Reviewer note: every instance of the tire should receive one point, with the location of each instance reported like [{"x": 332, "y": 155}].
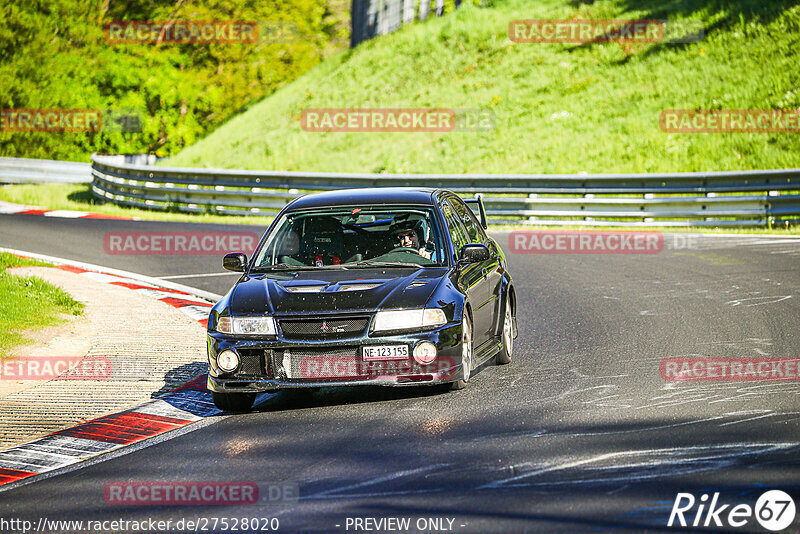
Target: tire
[
  {"x": 233, "y": 402},
  {"x": 466, "y": 353},
  {"x": 504, "y": 355}
]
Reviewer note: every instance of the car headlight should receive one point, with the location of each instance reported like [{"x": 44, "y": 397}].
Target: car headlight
[
  {"x": 246, "y": 325},
  {"x": 408, "y": 319}
]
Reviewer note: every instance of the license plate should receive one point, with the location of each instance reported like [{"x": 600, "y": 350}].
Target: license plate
[{"x": 385, "y": 352}]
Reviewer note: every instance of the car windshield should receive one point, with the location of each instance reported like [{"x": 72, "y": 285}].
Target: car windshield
[{"x": 353, "y": 237}]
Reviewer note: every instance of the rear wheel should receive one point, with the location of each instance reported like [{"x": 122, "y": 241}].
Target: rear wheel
[
  {"x": 466, "y": 353},
  {"x": 504, "y": 355},
  {"x": 233, "y": 402}
]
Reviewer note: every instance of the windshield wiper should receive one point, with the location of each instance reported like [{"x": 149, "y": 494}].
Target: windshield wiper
[
  {"x": 287, "y": 267},
  {"x": 368, "y": 263},
  {"x": 277, "y": 267}
]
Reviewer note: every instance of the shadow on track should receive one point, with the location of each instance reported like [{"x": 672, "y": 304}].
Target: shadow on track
[{"x": 295, "y": 399}]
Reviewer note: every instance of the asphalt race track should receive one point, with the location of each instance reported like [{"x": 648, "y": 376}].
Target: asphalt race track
[{"x": 578, "y": 434}]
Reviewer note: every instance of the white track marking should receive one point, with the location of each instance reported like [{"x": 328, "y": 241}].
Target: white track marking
[
  {"x": 125, "y": 274},
  {"x": 165, "y": 409},
  {"x": 380, "y": 479},
  {"x": 51, "y": 452},
  {"x": 66, "y": 214},
  {"x": 673, "y": 457},
  {"x": 10, "y": 210},
  {"x": 196, "y": 312},
  {"x": 767, "y": 300},
  {"x": 554, "y": 467},
  {"x": 156, "y": 294},
  {"x": 769, "y": 413},
  {"x": 205, "y": 275}
]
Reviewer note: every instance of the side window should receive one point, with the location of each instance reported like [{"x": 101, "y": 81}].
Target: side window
[
  {"x": 470, "y": 223},
  {"x": 457, "y": 233}
]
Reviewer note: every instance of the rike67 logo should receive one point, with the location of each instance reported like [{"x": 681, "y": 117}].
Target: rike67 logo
[{"x": 774, "y": 510}]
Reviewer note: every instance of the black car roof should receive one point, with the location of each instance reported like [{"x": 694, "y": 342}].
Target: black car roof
[{"x": 366, "y": 196}]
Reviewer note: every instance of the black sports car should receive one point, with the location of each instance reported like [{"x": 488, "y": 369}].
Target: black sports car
[{"x": 394, "y": 287}]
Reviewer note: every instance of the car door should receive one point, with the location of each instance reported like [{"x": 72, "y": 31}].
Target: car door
[
  {"x": 471, "y": 279},
  {"x": 491, "y": 269}
]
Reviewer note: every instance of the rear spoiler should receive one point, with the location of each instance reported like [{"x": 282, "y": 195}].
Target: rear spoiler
[{"x": 481, "y": 211}]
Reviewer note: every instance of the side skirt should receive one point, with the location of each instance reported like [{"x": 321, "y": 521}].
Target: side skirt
[{"x": 486, "y": 351}]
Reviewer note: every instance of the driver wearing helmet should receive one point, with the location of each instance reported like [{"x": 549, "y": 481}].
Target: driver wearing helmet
[{"x": 408, "y": 237}]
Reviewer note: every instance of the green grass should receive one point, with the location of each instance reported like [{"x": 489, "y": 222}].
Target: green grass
[
  {"x": 10, "y": 260},
  {"x": 560, "y": 108},
  {"x": 28, "y": 302},
  {"x": 79, "y": 197}
]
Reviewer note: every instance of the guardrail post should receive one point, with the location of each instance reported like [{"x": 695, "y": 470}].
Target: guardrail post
[
  {"x": 708, "y": 195},
  {"x": 394, "y": 15},
  {"x": 533, "y": 218},
  {"x": 587, "y": 195},
  {"x": 424, "y": 9},
  {"x": 408, "y": 11}
]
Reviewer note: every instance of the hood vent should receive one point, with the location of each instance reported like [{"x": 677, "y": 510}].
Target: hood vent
[
  {"x": 357, "y": 287},
  {"x": 304, "y": 289},
  {"x": 341, "y": 287}
]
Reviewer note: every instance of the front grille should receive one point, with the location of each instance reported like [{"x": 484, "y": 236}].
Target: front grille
[
  {"x": 323, "y": 329},
  {"x": 253, "y": 362},
  {"x": 321, "y": 364}
]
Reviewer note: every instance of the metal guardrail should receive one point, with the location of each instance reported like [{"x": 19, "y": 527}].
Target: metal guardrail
[
  {"x": 734, "y": 198},
  {"x": 370, "y": 18},
  {"x": 35, "y": 171}
]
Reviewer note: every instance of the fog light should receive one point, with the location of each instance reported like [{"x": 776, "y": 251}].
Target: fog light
[
  {"x": 228, "y": 361},
  {"x": 425, "y": 352}
]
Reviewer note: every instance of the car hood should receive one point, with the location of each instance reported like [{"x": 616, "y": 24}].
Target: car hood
[{"x": 336, "y": 291}]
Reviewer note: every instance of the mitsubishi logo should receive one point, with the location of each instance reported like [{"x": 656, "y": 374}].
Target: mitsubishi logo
[{"x": 332, "y": 329}]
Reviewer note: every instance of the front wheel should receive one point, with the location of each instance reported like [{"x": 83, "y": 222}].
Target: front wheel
[
  {"x": 504, "y": 355},
  {"x": 466, "y": 353},
  {"x": 233, "y": 402}
]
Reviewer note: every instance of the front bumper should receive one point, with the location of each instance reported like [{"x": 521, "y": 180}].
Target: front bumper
[{"x": 277, "y": 363}]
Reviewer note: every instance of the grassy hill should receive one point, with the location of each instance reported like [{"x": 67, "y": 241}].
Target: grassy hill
[{"x": 559, "y": 107}]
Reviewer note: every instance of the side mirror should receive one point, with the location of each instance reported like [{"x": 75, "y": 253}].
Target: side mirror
[
  {"x": 235, "y": 261},
  {"x": 474, "y": 253}
]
